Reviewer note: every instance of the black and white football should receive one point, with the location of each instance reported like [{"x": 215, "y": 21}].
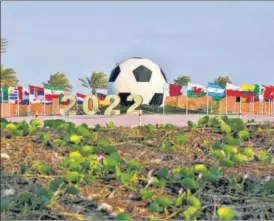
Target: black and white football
[{"x": 138, "y": 76}]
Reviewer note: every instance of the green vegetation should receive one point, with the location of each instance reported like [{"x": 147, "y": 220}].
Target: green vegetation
[{"x": 219, "y": 168}]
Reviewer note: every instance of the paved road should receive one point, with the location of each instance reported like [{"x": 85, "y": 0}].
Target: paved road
[{"x": 131, "y": 120}]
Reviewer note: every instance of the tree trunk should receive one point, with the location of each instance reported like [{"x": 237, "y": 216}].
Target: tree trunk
[{"x": 93, "y": 91}]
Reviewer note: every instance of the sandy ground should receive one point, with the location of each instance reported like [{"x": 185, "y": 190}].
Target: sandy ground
[{"x": 131, "y": 120}]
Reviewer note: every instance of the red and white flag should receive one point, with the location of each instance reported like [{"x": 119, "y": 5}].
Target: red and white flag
[
  {"x": 268, "y": 92},
  {"x": 236, "y": 91},
  {"x": 171, "y": 90}
]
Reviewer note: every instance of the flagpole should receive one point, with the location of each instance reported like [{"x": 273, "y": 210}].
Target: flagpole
[
  {"x": 2, "y": 106},
  {"x": 240, "y": 107},
  {"x": 226, "y": 104},
  {"x": 44, "y": 104},
  {"x": 207, "y": 101},
  {"x": 253, "y": 106},
  {"x": 164, "y": 100},
  {"x": 269, "y": 106},
  {"x": 18, "y": 107},
  {"x": 186, "y": 104}
]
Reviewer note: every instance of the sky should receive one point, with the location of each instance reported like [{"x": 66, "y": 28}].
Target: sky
[{"x": 203, "y": 40}]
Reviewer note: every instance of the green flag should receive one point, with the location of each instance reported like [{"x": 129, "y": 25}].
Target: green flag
[{"x": 4, "y": 95}]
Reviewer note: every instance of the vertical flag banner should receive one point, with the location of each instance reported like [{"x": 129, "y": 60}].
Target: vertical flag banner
[
  {"x": 13, "y": 95},
  {"x": 196, "y": 90},
  {"x": 36, "y": 94},
  {"x": 4, "y": 95}
]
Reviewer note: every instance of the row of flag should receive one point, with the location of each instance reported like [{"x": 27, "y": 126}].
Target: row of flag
[
  {"x": 217, "y": 92},
  {"x": 34, "y": 95}
]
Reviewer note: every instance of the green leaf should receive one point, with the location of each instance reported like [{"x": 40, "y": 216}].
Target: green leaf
[
  {"x": 145, "y": 194},
  {"x": 76, "y": 156},
  {"x": 269, "y": 185},
  {"x": 194, "y": 201},
  {"x": 72, "y": 176},
  {"x": 55, "y": 184},
  {"x": 180, "y": 139},
  {"x": 248, "y": 152},
  {"x": 163, "y": 201},
  {"x": 4, "y": 204},
  {"x": 200, "y": 168},
  {"x": 162, "y": 173},
  {"x": 189, "y": 183},
  {"x": 243, "y": 135},
  {"x": 190, "y": 213},
  {"x": 110, "y": 161},
  {"x": 87, "y": 150},
  {"x": 154, "y": 207},
  {"x": 237, "y": 158},
  {"x": 226, "y": 163},
  {"x": 75, "y": 139},
  {"x": 226, "y": 213},
  {"x": 103, "y": 143},
  {"x": 134, "y": 165},
  {"x": 25, "y": 197},
  {"x": 73, "y": 190},
  {"x": 123, "y": 216},
  {"x": 36, "y": 122},
  {"x": 210, "y": 177},
  {"x": 110, "y": 124},
  {"x": 109, "y": 149}
]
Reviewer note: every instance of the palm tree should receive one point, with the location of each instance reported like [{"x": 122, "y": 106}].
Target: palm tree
[
  {"x": 59, "y": 80},
  {"x": 95, "y": 81},
  {"x": 8, "y": 77},
  {"x": 182, "y": 80},
  {"x": 223, "y": 81},
  {"x": 4, "y": 43}
]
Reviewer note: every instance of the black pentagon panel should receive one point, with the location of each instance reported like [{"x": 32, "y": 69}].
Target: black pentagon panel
[
  {"x": 124, "y": 101},
  {"x": 142, "y": 74},
  {"x": 163, "y": 74},
  {"x": 114, "y": 74},
  {"x": 157, "y": 99}
]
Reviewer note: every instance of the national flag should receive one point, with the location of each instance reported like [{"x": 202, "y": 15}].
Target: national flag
[
  {"x": 248, "y": 89},
  {"x": 215, "y": 90},
  {"x": 195, "y": 90},
  {"x": 80, "y": 98},
  {"x": 61, "y": 95},
  {"x": 13, "y": 95},
  {"x": 101, "y": 97},
  {"x": 236, "y": 91},
  {"x": 52, "y": 92},
  {"x": 259, "y": 91},
  {"x": 171, "y": 90},
  {"x": 4, "y": 94},
  {"x": 23, "y": 95},
  {"x": 36, "y": 94},
  {"x": 269, "y": 92}
]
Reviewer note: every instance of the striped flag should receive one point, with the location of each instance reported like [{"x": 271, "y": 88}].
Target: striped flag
[
  {"x": 13, "y": 95},
  {"x": 215, "y": 90},
  {"x": 80, "y": 98}
]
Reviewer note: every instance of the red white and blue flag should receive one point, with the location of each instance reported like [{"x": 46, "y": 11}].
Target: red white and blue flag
[
  {"x": 36, "y": 94},
  {"x": 80, "y": 98}
]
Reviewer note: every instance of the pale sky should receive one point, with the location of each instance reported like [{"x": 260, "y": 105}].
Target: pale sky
[{"x": 201, "y": 39}]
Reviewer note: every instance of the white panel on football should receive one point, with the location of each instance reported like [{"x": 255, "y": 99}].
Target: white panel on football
[{"x": 127, "y": 83}]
